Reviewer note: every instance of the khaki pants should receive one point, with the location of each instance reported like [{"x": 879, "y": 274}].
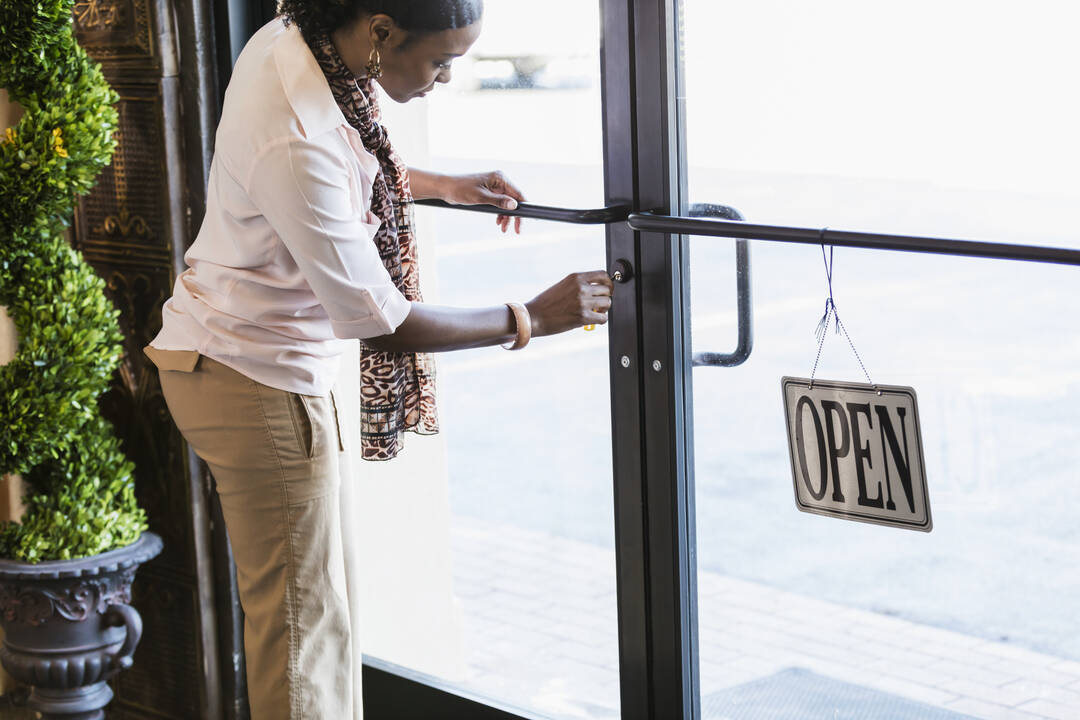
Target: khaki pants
[{"x": 274, "y": 456}]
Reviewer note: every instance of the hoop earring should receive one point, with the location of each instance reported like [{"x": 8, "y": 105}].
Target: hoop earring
[{"x": 374, "y": 64}]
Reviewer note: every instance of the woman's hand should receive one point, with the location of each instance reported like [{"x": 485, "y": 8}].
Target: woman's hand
[
  {"x": 490, "y": 188},
  {"x": 577, "y": 300}
]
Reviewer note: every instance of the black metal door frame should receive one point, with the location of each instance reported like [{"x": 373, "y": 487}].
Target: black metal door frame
[
  {"x": 651, "y": 395},
  {"x": 649, "y": 352}
]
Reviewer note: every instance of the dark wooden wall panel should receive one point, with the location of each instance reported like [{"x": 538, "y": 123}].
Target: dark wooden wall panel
[
  {"x": 164, "y": 603},
  {"x": 133, "y": 229}
]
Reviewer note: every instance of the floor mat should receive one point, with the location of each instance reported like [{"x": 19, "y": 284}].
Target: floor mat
[{"x": 798, "y": 694}]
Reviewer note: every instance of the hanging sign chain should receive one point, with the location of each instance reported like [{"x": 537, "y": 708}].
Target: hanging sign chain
[{"x": 831, "y": 313}]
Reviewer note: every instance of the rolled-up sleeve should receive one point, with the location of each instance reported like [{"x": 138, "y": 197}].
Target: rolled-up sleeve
[{"x": 307, "y": 195}]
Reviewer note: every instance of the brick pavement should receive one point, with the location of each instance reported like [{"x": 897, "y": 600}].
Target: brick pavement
[{"x": 540, "y": 628}]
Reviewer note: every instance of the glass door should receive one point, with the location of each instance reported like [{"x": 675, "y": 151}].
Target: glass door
[
  {"x": 498, "y": 581},
  {"x": 949, "y": 119},
  {"x": 488, "y": 550},
  {"x": 606, "y": 526}
]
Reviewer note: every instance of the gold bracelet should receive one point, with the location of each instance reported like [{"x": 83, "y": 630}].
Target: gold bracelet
[{"x": 524, "y": 326}]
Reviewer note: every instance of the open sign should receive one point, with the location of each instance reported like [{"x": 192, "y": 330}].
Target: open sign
[{"x": 856, "y": 452}]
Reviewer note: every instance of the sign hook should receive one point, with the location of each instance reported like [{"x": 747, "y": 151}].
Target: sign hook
[{"x": 831, "y": 313}]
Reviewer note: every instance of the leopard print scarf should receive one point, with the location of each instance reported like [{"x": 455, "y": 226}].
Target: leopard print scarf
[{"x": 397, "y": 390}]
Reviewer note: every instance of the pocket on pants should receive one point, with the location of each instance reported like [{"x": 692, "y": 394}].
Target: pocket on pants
[
  {"x": 337, "y": 422},
  {"x": 172, "y": 360},
  {"x": 302, "y": 424}
]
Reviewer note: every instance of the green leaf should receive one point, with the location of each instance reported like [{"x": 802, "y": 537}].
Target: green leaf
[{"x": 51, "y": 430}]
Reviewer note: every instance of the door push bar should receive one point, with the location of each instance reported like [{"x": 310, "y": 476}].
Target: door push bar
[
  {"x": 652, "y": 222},
  {"x": 723, "y": 221},
  {"x": 712, "y": 225},
  {"x": 598, "y": 216}
]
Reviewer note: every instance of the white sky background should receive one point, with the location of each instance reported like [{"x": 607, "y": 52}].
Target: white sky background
[
  {"x": 973, "y": 94},
  {"x": 964, "y": 93}
]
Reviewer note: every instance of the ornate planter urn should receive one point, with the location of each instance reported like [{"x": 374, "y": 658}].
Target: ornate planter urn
[{"x": 69, "y": 627}]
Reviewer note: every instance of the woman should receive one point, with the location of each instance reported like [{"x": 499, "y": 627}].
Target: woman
[{"x": 307, "y": 241}]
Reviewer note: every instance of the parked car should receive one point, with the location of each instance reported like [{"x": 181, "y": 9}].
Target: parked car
[{"x": 549, "y": 45}]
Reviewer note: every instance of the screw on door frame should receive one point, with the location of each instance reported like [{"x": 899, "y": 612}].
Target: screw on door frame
[
  {"x": 625, "y": 360},
  {"x": 657, "y": 366}
]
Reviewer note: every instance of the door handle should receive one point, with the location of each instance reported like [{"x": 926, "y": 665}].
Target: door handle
[{"x": 745, "y": 340}]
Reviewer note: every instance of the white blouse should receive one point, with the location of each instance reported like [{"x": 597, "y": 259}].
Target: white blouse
[{"x": 284, "y": 265}]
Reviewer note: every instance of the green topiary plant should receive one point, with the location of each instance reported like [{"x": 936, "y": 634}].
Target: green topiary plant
[{"x": 80, "y": 489}]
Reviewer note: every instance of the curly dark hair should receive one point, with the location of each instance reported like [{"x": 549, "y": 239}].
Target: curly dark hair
[{"x": 315, "y": 17}]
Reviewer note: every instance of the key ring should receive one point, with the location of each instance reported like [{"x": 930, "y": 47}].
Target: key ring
[{"x": 617, "y": 276}]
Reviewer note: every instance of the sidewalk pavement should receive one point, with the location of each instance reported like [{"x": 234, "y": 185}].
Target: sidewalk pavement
[{"x": 541, "y": 633}]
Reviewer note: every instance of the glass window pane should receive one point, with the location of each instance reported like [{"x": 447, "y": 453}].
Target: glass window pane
[
  {"x": 518, "y": 485},
  {"x": 951, "y": 119}
]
